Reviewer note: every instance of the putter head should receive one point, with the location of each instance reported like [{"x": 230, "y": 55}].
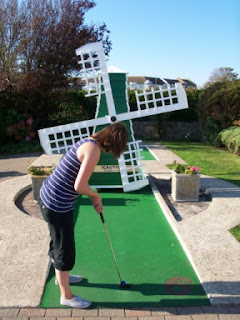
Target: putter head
[{"x": 124, "y": 285}]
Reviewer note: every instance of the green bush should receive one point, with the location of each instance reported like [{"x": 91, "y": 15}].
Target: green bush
[
  {"x": 210, "y": 132},
  {"x": 230, "y": 138},
  {"x": 71, "y": 106},
  {"x": 2, "y": 128},
  {"x": 190, "y": 114},
  {"x": 46, "y": 108},
  {"x": 132, "y": 100},
  {"x": 220, "y": 102}
]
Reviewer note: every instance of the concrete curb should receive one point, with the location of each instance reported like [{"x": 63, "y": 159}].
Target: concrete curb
[{"x": 23, "y": 251}]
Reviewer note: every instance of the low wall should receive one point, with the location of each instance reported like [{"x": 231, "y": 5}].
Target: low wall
[{"x": 173, "y": 131}]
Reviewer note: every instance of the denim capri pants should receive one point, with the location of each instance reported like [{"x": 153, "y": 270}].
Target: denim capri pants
[{"x": 62, "y": 244}]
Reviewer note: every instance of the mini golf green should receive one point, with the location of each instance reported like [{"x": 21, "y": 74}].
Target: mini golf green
[
  {"x": 147, "y": 154},
  {"x": 149, "y": 256}
]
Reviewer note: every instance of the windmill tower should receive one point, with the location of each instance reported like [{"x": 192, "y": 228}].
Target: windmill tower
[
  {"x": 108, "y": 165},
  {"x": 111, "y": 90}
]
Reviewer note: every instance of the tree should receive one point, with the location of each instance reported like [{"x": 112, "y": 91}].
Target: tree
[
  {"x": 221, "y": 75},
  {"x": 38, "y": 40},
  {"x": 10, "y": 37},
  {"x": 220, "y": 104}
]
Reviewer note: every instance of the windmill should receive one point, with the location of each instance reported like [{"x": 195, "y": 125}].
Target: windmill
[{"x": 112, "y": 106}]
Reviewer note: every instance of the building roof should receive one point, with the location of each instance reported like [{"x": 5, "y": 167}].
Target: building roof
[
  {"x": 142, "y": 80},
  {"x": 171, "y": 81},
  {"x": 187, "y": 82},
  {"x": 156, "y": 80},
  {"x": 137, "y": 79}
]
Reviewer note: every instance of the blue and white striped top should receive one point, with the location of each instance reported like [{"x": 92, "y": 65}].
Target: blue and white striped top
[{"x": 57, "y": 192}]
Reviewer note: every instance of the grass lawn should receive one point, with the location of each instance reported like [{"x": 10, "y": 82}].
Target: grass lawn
[
  {"x": 236, "y": 232},
  {"x": 212, "y": 161}
]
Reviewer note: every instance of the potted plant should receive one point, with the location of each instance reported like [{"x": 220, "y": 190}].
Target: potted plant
[
  {"x": 38, "y": 175},
  {"x": 185, "y": 182}
]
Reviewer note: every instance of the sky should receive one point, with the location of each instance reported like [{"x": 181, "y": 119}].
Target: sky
[{"x": 171, "y": 38}]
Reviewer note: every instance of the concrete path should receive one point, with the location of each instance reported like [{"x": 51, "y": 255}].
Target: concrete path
[
  {"x": 16, "y": 165},
  {"x": 213, "y": 251}
]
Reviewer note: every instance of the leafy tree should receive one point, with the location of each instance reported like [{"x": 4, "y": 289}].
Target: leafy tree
[
  {"x": 38, "y": 40},
  {"x": 10, "y": 37},
  {"x": 221, "y": 103},
  {"x": 221, "y": 75}
]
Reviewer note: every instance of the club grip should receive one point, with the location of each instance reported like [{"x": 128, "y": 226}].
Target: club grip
[{"x": 101, "y": 216}]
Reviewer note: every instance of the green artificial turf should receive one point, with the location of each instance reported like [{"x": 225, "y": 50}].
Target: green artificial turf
[
  {"x": 146, "y": 154},
  {"x": 149, "y": 256}
]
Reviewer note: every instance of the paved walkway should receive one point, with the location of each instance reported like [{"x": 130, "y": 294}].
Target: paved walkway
[
  {"x": 16, "y": 165},
  {"x": 214, "y": 253}
]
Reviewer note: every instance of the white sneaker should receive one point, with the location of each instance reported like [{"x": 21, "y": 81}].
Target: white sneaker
[
  {"x": 75, "y": 302},
  {"x": 72, "y": 279}
]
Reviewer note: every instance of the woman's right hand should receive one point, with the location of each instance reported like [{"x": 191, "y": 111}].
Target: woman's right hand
[{"x": 97, "y": 202}]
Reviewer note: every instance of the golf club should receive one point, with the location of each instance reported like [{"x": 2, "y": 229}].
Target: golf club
[{"x": 123, "y": 283}]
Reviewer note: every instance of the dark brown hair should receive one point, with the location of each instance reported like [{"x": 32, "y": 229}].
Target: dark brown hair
[{"x": 112, "y": 139}]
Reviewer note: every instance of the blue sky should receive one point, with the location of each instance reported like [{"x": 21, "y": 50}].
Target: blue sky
[{"x": 171, "y": 38}]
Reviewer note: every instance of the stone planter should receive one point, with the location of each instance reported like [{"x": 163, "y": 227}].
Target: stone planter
[
  {"x": 185, "y": 187},
  {"x": 37, "y": 182}
]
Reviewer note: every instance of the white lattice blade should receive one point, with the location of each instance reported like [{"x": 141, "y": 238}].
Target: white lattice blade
[
  {"x": 137, "y": 185},
  {"x": 145, "y": 113},
  {"x": 59, "y": 139},
  {"x": 92, "y": 62},
  {"x": 130, "y": 166},
  {"x": 89, "y": 47},
  {"x": 95, "y": 71},
  {"x": 164, "y": 99}
]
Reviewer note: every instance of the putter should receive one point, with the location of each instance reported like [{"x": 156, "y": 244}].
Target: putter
[{"x": 123, "y": 283}]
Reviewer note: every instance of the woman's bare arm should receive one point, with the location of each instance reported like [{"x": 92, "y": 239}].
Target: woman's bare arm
[{"x": 88, "y": 154}]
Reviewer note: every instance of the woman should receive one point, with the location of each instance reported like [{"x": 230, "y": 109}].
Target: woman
[{"x": 58, "y": 194}]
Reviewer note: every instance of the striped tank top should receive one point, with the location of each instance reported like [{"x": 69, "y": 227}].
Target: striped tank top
[{"x": 57, "y": 192}]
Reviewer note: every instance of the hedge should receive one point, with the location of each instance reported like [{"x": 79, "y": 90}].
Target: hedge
[
  {"x": 221, "y": 103},
  {"x": 230, "y": 138}
]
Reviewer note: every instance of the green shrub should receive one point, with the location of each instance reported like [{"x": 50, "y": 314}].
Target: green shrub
[
  {"x": 190, "y": 114},
  {"x": 46, "y": 108},
  {"x": 220, "y": 102},
  {"x": 230, "y": 138},
  {"x": 71, "y": 106},
  {"x": 132, "y": 100},
  {"x": 210, "y": 132},
  {"x": 21, "y": 147},
  {"x": 2, "y": 128}
]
